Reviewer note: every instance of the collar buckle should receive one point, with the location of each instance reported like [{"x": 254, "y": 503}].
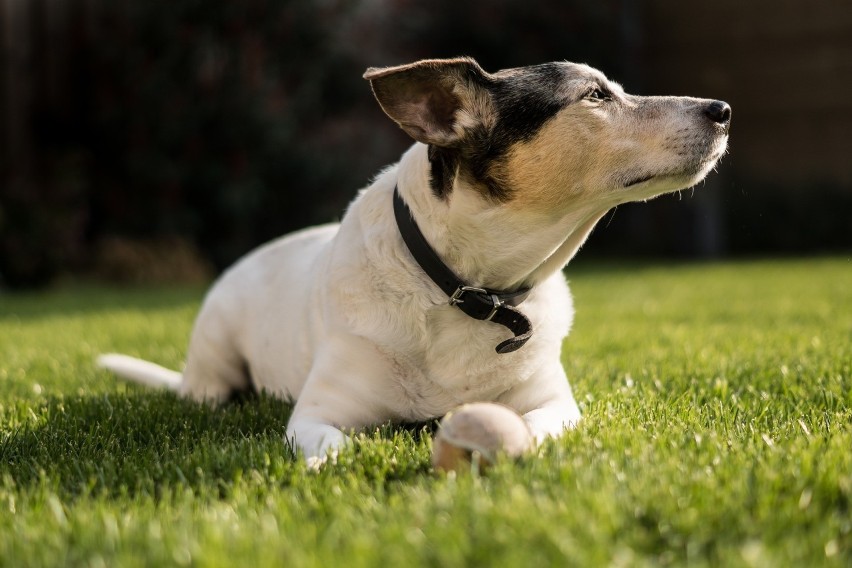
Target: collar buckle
[
  {"x": 498, "y": 303},
  {"x": 483, "y": 296},
  {"x": 456, "y": 297}
]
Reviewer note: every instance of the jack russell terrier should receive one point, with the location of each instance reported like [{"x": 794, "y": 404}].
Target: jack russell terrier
[{"x": 442, "y": 285}]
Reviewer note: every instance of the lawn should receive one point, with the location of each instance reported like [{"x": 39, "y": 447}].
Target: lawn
[{"x": 717, "y": 432}]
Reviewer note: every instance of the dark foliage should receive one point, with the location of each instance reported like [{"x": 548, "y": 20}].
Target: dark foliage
[
  {"x": 224, "y": 124},
  {"x": 229, "y": 123}
]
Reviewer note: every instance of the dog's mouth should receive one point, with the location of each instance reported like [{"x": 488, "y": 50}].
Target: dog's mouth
[
  {"x": 637, "y": 180},
  {"x": 702, "y": 157},
  {"x": 699, "y": 168},
  {"x": 688, "y": 175}
]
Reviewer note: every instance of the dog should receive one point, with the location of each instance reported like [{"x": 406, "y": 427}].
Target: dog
[{"x": 442, "y": 284}]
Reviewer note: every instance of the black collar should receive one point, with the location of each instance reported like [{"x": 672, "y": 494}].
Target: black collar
[{"x": 478, "y": 303}]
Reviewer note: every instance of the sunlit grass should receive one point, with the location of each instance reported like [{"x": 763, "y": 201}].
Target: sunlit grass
[{"x": 717, "y": 431}]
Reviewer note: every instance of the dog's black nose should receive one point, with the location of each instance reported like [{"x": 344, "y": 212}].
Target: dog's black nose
[{"x": 719, "y": 112}]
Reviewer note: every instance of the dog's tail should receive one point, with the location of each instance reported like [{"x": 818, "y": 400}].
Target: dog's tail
[{"x": 139, "y": 371}]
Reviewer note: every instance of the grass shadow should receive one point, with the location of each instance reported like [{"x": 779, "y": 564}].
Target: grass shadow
[
  {"x": 140, "y": 443},
  {"x": 150, "y": 443}
]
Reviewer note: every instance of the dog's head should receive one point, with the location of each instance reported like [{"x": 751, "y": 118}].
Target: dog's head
[{"x": 550, "y": 137}]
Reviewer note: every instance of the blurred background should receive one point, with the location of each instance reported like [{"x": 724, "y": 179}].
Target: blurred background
[{"x": 156, "y": 140}]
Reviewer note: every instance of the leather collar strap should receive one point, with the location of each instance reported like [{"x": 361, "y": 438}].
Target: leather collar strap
[{"x": 478, "y": 303}]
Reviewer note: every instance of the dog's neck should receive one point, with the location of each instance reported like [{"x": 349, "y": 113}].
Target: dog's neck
[{"x": 491, "y": 245}]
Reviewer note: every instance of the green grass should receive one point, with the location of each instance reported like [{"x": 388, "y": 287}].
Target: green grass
[{"x": 717, "y": 431}]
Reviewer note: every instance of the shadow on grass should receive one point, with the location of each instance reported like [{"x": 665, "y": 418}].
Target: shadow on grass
[
  {"x": 148, "y": 443},
  {"x": 117, "y": 444}
]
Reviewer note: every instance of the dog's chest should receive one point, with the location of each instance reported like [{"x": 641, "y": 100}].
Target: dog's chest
[
  {"x": 439, "y": 357},
  {"x": 455, "y": 363},
  {"x": 425, "y": 394}
]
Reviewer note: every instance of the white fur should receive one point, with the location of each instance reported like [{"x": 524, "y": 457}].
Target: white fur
[
  {"x": 341, "y": 319},
  {"x": 142, "y": 372}
]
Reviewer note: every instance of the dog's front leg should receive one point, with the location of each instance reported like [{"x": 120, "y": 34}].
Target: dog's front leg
[
  {"x": 347, "y": 389},
  {"x": 546, "y": 402}
]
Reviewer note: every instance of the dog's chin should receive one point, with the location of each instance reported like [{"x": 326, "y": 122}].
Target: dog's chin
[
  {"x": 646, "y": 185},
  {"x": 656, "y": 185}
]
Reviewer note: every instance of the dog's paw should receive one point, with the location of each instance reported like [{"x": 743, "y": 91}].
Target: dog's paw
[{"x": 315, "y": 463}]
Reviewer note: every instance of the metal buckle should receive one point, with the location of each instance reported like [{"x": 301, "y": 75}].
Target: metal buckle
[
  {"x": 496, "y": 302},
  {"x": 456, "y": 297}
]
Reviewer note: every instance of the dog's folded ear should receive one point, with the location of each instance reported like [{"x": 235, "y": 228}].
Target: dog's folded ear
[{"x": 436, "y": 101}]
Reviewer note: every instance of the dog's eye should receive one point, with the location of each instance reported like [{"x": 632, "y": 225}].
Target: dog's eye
[{"x": 598, "y": 94}]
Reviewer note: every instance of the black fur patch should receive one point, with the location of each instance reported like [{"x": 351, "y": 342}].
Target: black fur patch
[
  {"x": 524, "y": 99},
  {"x": 444, "y": 164}
]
